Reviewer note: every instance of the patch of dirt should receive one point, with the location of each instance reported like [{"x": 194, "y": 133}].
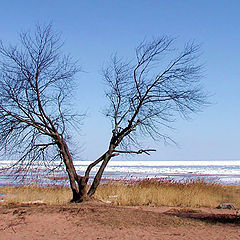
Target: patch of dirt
[{"x": 96, "y": 220}]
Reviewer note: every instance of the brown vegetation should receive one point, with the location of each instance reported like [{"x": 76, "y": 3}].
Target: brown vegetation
[{"x": 151, "y": 192}]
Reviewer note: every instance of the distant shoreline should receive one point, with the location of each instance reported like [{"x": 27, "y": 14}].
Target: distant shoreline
[{"x": 224, "y": 172}]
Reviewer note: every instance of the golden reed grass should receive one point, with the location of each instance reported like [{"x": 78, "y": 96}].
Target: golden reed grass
[
  {"x": 190, "y": 193},
  {"x": 153, "y": 192},
  {"x": 31, "y": 193}
]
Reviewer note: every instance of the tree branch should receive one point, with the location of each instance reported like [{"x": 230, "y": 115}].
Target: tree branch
[
  {"x": 93, "y": 165},
  {"x": 146, "y": 151}
]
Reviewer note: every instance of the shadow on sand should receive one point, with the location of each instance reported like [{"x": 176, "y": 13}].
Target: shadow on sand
[{"x": 206, "y": 217}]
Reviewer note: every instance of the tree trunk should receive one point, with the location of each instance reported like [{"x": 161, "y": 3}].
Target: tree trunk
[
  {"x": 98, "y": 176},
  {"x": 78, "y": 184},
  {"x": 82, "y": 190}
]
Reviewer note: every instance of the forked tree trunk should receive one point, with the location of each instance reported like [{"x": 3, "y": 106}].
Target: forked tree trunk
[{"x": 78, "y": 183}]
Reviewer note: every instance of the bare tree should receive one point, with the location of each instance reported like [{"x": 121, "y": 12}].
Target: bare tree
[
  {"x": 146, "y": 96},
  {"x": 36, "y": 82}
]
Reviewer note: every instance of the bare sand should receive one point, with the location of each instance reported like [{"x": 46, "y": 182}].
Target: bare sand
[{"x": 96, "y": 220}]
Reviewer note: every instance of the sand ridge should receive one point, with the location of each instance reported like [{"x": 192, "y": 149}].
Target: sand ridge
[{"x": 97, "y": 220}]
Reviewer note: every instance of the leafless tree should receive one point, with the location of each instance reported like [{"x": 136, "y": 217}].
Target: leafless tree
[
  {"x": 36, "y": 82},
  {"x": 147, "y": 94}
]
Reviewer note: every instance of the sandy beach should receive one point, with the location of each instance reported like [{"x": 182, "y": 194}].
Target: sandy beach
[{"x": 97, "y": 220}]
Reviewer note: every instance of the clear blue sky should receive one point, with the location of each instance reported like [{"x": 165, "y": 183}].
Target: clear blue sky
[{"x": 92, "y": 30}]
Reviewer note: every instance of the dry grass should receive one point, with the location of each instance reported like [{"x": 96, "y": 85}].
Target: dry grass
[
  {"x": 31, "y": 193},
  {"x": 192, "y": 193}
]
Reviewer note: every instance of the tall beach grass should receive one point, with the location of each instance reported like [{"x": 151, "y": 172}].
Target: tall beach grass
[
  {"x": 153, "y": 192},
  {"x": 188, "y": 193},
  {"x": 32, "y": 193}
]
